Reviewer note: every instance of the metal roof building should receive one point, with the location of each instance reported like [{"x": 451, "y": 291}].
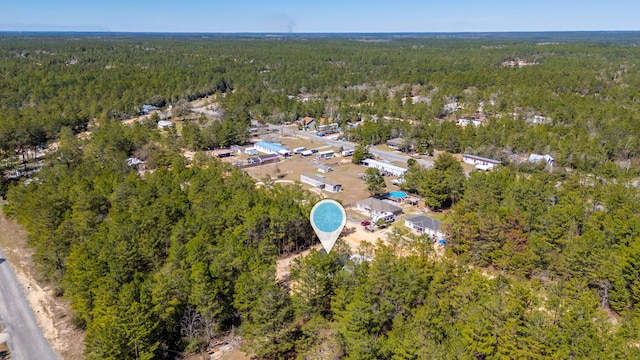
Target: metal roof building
[
  {"x": 385, "y": 167},
  {"x": 320, "y": 183},
  {"x": 272, "y": 148}
]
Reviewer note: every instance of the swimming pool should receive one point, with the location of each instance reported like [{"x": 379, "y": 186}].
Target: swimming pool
[{"x": 397, "y": 195}]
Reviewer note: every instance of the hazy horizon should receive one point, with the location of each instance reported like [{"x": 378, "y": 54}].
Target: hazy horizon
[{"x": 331, "y": 16}]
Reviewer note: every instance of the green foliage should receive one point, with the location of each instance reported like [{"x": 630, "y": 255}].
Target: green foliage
[
  {"x": 375, "y": 182},
  {"x": 441, "y": 186},
  {"x": 164, "y": 261},
  {"x": 360, "y": 153}
]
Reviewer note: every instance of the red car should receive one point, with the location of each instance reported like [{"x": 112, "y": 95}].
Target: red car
[{"x": 365, "y": 223}]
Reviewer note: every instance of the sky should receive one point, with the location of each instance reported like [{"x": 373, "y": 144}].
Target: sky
[{"x": 319, "y": 16}]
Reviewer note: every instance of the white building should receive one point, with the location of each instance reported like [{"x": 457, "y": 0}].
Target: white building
[
  {"x": 421, "y": 224},
  {"x": 325, "y": 154},
  {"x": 324, "y": 168},
  {"x": 385, "y": 167},
  {"x": 251, "y": 151},
  {"x": 375, "y": 207},
  {"x": 535, "y": 158},
  {"x": 272, "y": 148},
  {"x": 467, "y": 121},
  {"x": 348, "y": 152},
  {"x": 480, "y": 163},
  {"x": 164, "y": 124},
  {"x": 320, "y": 183}
]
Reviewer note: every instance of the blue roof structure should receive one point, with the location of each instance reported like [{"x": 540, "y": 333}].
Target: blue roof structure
[{"x": 270, "y": 146}]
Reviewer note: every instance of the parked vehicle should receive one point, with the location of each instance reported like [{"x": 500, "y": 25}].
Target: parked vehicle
[{"x": 365, "y": 223}]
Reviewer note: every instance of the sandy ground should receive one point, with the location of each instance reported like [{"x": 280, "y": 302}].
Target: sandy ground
[
  {"x": 53, "y": 314},
  {"x": 357, "y": 235}
]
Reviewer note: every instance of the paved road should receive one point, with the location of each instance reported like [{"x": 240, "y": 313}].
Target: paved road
[
  {"x": 389, "y": 155},
  {"x": 26, "y": 341}
]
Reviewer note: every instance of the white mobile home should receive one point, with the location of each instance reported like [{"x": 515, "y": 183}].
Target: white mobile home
[
  {"x": 348, "y": 152},
  {"x": 385, "y": 168},
  {"x": 272, "y": 148},
  {"x": 299, "y": 150},
  {"x": 480, "y": 162},
  {"x": 320, "y": 183},
  {"x": 325, "y": 154}
]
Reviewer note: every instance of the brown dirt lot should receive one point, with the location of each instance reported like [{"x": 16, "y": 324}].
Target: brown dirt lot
[
  {"x": 344, "y": 172},
  {"x": 52, "y": 313}
]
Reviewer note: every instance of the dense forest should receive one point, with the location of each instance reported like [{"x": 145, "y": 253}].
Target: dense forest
[{"x": 540, "y": 262}]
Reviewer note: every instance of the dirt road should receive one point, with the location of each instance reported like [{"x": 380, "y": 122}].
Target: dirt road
[{"x": 25, "y": 338}]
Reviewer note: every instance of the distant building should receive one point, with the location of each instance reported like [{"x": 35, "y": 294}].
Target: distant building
[
  {"x": 331, "y": 128},
  {"x": 146, "y": 109},
  {"x": 325, "y": 154},
  {"x": 538, "y": 119},
  {"x": 269, "y": 158},
  {"x": 272, "y": 148},
  {"x": 347, "y": 152},
  {"x": 320, "y": 183},
  {"x": 251, "y": 151},
  {"x": 466, "y": 121},
  {"x": 324, "y": 169},
  {"x": 421, "y": 224},
  {"x": 518, "y": 63},
  {"x": 396, "y": 143},
  {"x": 452, "y": 107},
  {"x": 221, "y": 153},
  {"x": 480, "y": 163},
  {"x": 385, "y": 168},
  {"x": 308, "y": 123},
  {"x": 134, "y": 161},
  {"x": 535, "y": 158},
  {"x": 164, "y": 124}
]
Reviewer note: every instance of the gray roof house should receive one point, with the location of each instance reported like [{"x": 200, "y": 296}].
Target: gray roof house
[
  {"x": 374, "y": 207},
  {"x": 421, "y": 224}
]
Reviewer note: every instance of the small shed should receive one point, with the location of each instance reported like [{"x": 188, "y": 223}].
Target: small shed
[
  {"x": 222, "y": 153},
  {"x": 251, "y": 151},
  {"x": 324, "y": 169}
]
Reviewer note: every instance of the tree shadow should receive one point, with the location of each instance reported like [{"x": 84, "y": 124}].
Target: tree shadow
[{"x": 347, "y": 230}]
